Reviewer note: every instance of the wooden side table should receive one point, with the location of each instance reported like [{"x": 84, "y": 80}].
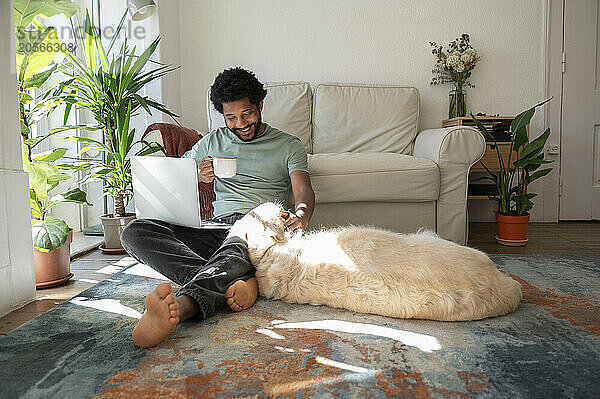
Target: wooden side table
[{"x": 490, "y": 158}]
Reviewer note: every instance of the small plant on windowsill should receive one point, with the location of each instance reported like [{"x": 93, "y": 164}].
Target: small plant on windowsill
[{"x": 514, "y": 176}]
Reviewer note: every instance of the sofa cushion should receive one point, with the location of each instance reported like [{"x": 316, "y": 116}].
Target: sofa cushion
[
  {"x": 364, "y": 118},
  {"x": 287, "y": 107},
  {"x": 352, "y": 177}
]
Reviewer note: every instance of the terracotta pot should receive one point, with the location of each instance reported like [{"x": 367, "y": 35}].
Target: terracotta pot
[
  {"x": 53, "y": 268},
  {"x": 512, "y": 228},
  {"x": 113, "y": 227}
]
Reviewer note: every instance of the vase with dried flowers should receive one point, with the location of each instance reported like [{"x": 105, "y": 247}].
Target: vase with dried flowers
[{"x": 455, "y": 66}]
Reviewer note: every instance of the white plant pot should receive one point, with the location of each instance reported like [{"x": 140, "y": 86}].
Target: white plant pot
[{"x": 113, "y": 227}]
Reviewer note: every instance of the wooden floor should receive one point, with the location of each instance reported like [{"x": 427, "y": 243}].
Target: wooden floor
[
  {"x": 582, "y": 238},
  {"x": 88, "y": 270}
]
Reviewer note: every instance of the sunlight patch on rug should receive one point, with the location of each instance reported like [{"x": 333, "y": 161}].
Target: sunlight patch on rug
[
  {"x": 425, "y": 343},
  {"x": 107, "y": 305},
  {"x": 270, "y": 333},
  {"x": 328, "y": 362}
]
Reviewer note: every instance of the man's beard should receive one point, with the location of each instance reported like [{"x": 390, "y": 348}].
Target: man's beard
[{"x": 254, "y": 129}]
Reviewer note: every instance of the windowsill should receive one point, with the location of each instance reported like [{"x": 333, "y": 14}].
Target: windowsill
[{"x": 82, "y": 244}]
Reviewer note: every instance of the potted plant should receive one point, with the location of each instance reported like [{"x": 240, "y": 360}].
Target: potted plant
[
  {"x": 109, "y": 90},
  {"x": 36, "y": 49},
  {"x": 114, "y": 170},
  {"x": 51, "y": 236},
  {"x": 455, "y": 66},
  {"x": 514, "y": 177}
]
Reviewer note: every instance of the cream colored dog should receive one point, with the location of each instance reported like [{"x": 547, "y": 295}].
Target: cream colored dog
[{"x": 374, "y": 271}]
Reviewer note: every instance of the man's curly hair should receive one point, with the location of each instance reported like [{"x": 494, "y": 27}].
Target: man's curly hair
[{"x": 235, "y": 84}]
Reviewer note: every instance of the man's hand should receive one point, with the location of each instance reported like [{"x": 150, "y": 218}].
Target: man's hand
[
  {"x": 304, "y": 198},
  {"x": 206, "y": 173},
  {"x": 294, "y": 221}
]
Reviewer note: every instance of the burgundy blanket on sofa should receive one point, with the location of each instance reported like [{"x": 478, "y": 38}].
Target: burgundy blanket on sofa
[{"x": 177, "y": 140}]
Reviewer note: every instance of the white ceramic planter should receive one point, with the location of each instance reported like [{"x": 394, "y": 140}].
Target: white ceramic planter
[{"x": 113, "y": 227}]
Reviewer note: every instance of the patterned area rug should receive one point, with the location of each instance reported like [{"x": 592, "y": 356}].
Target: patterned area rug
[{"x": 548, "y": 348}]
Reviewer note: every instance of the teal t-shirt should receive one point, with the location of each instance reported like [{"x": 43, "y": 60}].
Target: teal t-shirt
[{"x": 263, "y": 167}]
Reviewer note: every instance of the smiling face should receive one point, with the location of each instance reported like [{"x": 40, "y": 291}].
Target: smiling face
[{"x": 244, "y": 119}]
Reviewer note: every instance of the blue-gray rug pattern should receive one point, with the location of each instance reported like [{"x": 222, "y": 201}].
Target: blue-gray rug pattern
[{"x": 548, "y": 348}]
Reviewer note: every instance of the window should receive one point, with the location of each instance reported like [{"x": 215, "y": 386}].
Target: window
[{"x": 106, "y": 16}]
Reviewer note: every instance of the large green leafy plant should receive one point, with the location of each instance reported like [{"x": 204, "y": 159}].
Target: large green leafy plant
[
  {"x": 49, "y": 233},
  {"x": 520, "y": 168},
  {"x": 109, "y": 89},
  {"x": 36, "y": 48}
]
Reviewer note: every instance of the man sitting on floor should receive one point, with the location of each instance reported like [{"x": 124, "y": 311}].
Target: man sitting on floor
[{"x": 212, "y": 269}]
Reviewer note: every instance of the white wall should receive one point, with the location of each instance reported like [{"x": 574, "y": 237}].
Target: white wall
[
  {"x": 380, "y": 41},
  {"x": 17, "y": 278}
]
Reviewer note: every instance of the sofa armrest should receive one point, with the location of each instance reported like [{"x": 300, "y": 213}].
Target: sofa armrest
[{"x": 454, "y": 150}]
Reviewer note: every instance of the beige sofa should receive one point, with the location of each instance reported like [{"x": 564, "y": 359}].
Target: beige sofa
[{"x": 369, "y": 164}]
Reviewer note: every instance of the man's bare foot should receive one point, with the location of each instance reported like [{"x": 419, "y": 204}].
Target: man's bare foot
[
  {"x": 242, "y": 294},
  {"x": 159, "y": 319}
]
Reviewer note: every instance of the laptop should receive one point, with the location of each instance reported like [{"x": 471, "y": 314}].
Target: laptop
[{"x": 167, "y": 189}]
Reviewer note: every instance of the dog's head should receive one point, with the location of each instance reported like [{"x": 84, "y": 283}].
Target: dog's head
[{"x": 262, "y": 228}]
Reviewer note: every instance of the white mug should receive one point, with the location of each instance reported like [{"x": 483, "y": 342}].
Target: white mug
[{"x": 224, "y": 166}]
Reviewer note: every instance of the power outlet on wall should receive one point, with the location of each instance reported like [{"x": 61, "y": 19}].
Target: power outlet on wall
[{"x": 553, "y": 150}]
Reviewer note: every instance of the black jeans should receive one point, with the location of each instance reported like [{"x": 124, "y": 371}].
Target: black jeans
[{"x": 202, "y": 261}]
